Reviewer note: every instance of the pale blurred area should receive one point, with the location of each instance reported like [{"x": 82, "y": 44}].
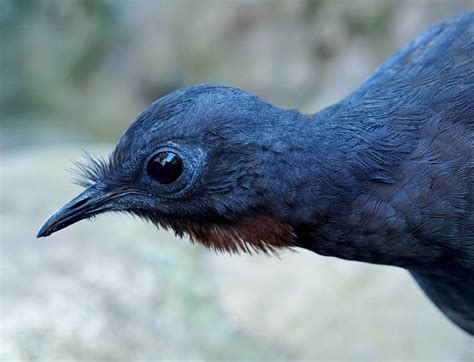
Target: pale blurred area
[{"x": 74, "y": 74}]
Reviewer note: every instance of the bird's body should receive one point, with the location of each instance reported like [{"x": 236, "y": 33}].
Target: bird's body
[{"x": 384, "y": 176}]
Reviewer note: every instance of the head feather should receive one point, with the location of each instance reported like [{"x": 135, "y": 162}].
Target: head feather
[{"x": 90, "y": 170}]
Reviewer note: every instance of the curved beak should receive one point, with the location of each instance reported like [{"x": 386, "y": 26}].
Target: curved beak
[{"x": 91, "y": 202}]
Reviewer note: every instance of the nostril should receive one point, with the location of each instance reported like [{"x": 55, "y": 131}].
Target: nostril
[{"x": 80, "y": 203}]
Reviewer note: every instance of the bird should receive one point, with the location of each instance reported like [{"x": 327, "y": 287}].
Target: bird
[{"x": 384, "y": 176}]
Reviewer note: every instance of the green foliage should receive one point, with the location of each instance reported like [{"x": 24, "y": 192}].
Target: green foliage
[
  {"x": 50, "y": 50},
  {"x": 85, "y": 68}
]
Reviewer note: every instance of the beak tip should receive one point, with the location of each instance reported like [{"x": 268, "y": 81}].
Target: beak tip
[
  {"x": 43, "y": 232},
  {"x": 81, "y": 207}
]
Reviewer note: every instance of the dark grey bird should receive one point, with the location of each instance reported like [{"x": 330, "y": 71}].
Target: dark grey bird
[{"x": 385, "y": 176}]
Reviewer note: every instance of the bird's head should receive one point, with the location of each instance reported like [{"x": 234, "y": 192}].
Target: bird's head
[{"x": 199, "y": 161}]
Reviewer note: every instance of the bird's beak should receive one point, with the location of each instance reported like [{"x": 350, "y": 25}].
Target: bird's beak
[{"x": 89, "y": 203}]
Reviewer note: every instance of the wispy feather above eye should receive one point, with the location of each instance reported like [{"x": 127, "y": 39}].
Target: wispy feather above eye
[{"x": 90, "y": 169}]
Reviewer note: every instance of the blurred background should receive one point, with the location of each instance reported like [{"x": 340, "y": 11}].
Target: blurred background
[{"x": 74, "y": 74}]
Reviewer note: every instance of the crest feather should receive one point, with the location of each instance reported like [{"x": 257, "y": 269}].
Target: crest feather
[{"x": 90, "y": 170}]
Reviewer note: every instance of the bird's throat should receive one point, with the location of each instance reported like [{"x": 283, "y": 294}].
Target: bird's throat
[{"x": 256, "y": 234}]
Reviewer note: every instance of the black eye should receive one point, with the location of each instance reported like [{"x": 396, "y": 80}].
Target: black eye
[{"x": 165, "y": 167}]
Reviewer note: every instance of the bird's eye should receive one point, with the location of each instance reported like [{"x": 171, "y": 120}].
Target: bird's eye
[{"x": 165, "y": 167}]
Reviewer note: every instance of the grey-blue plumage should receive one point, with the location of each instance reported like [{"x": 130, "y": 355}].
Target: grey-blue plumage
[{"x": 384, "y": 176}]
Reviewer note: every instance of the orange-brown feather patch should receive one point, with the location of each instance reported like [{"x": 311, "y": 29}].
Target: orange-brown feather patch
[{"x": 260, "y": 234}]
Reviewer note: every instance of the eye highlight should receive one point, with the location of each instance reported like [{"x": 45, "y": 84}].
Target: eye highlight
[{"x": 165, "y": 167}]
